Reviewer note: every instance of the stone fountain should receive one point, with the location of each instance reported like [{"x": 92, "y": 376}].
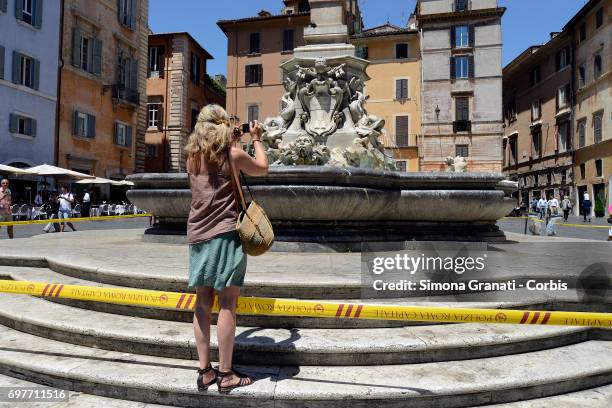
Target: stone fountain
[{"x": 331, "y": 181}]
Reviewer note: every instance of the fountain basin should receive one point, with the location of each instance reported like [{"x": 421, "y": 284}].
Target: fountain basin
[{"x": 336, "y": 205}]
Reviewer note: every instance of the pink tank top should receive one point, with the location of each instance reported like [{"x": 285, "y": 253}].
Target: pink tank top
[{"x": 213, "y": 204}]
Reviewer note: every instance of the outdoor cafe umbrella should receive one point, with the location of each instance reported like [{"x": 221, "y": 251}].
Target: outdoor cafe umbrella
[
  {"x": 54, "y": 171},
  {"x": 99, "y": 180},
  {"x": 4, "y": 169}
]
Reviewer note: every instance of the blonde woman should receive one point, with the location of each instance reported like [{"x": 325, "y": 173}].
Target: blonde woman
[{"x": 216, "y": 259}]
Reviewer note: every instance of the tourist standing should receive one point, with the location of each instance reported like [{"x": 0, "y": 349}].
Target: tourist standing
[
  {"x": 534, "y": 205},
  {"x": 566, "y": 206},
  {"x": 86, "y": 206},
  {"x": 586, "y": 207},
  {"x": 6, "y": 214},
  {"x": 217, "y": 261},
  {"x": 542, "y": 207},
  {"x": 553, "y": 206},
  {"x": 66, "y": 201}
]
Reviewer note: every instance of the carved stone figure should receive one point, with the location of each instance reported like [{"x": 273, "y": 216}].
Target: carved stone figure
[
  {"x": 303, "y": 152},
  {"x": 456, "y": 164}
]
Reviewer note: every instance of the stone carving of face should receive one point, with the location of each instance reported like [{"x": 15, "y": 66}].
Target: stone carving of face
[
  {"x": 304, "y": 145},
  {"x": 321, "y": 65}
]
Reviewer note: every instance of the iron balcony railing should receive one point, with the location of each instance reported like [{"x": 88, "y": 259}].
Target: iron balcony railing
[
  {"x": 396, "y": 141},
  {"x": 122, "y": 93}
]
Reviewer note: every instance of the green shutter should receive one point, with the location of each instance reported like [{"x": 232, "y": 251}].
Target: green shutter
[
  {"x": 37, "y": 9},
  {"x": 96, "y": 67},
  {"x": 453, "y": 36},
  {"x": 120, "y": 14},
  {"x": 133, "y": 85},
  {"x": 13, "y": 123},
  {"x": 32, "y": 127},
  {"x": 133, "y": 14},
  {"x": 472, "y": 36},
  {"x": 19, "y": 10},
  {"x": 128, "y": 136},
  {"x": 75, "y": 124},
  {"x": 2, "y": 62},
  {"x": 35, "y": 74},
  {"x": 452, "y": 68},
  {"x": 471, "y": 66},
  {"x": 91, "y": 126},
  {"x": 76, "y": 47},
  {"x": 116, "y": 133},
  {"x": 16, "y": 67}
]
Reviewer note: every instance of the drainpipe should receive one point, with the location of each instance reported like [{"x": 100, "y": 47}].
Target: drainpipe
[{"x": 59, "y": 85}]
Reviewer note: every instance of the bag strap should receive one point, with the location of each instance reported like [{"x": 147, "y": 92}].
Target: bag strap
[{"x": 238, "y": 194}]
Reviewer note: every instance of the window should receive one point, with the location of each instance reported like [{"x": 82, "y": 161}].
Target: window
[
  {"x": 254, "y": 43},
  {"x": 194, "y": 117},
  {"x": 461, "y": 5},
  {"x": 22, "y": 125},
  {"x": 513, "y": 150},
  {"x": 582, "y": 32},
  {"x": 536, "y": 138},
  {"x": 86, "y": 52},
  {"x": 29, "y": 11},
  {"x": 563, "y": 58},
  {"x": 401, "y": 131},
  {"x": 564, "y": 139},
  {"x": 401, "y": 51},
  {"x": 535, "y": 110},
  {"x": 254, "y": 74},
  {"x": 598, "y": 168},
  {"x": 288, "y": 40},
  {"x": 128, "y": 72},
  {"x": 400, "y": 165},
  {"x": 563, "y": 94},
  {"x": 123, "y": 135},
  {"x": 195, "y": 68},
  {"x": 401, "y": 89},
  {"x": 583, "y": 171},
  {"x": 536, "y": 76},
  {"x": 597, "y": 127},
  {"x": 26, "y": 71},
  {"x": 252, "y": 113},
  {"x": 84, "y": 125},
  {"x": 303, "y": 6},
  {"x": 462, "y": 150},
  {"x": 151, "y": 151},
  {"x": 582, "y": 133},
  {"x": 462, "y": 67},
  {"x": 157, "y": 57},
  {"x": 597, "y": 67},
  {"x": 581, "y": 76},
  {"x": 461, "y": 36},
  {"x": 599, "y": 18},
  {"x": 154, "y": 119},
  {"x": 462, "y": 115},
  {"x": 127, "y": 13}
]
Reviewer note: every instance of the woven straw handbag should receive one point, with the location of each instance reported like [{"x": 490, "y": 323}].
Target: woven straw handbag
[{"x": 254, "y": 226}]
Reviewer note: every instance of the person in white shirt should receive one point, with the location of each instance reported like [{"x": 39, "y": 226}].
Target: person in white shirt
[
  {"x": 542, "y": 207},
  {"x": 86, "y": 206},
  {"x": 553, "y": 206},
  {"x": 566, "y": 206},
  {"x": 66, "y": 201}
]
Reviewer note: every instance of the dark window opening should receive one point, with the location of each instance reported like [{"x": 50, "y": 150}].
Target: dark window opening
[{"x": 254, "y": 43}]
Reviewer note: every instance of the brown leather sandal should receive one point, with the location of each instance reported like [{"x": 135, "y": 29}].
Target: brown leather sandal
[
  {"x": 244, "y": 380},
  {"x": 201, "y": 373}
]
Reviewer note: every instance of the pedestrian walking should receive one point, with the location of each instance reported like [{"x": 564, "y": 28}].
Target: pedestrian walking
[
  {"x": 534, "y": 205},
  {"x": 553, "y": 206},
  {"x": 542, "y": 207},
  {"x": 66, "y": 201},
  {"x": 86, "y": 205},
  {"x": 52, "y": 212},
  {"x": 586, "y": 207},
  {"x": 6, "y": 214},
  {"x": 566, "y": 206},
  {"x": 217, "y": 261}
]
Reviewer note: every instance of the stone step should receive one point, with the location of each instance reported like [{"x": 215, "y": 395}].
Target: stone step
[
  {"x": 162, "y": 380},
  {"x": 402, "y": 345},
  {"x": 74, "y": 399},
  {"x": 49, "y": 276},
  {"x": 600, "y": 397}
]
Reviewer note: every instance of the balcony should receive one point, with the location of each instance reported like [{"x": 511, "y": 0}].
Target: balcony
[
  {"x": 126, "y": 96},
  {"x": 462, "y": 126}
]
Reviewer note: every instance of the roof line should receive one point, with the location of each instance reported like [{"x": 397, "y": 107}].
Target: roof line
[{"x": 206, "y": 53}]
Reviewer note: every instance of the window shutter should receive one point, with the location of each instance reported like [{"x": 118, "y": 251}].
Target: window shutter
[
  {"x": 133, "y": 74},
  {"x": 133, "y": 13},
  {"x": 161, "y": 54},
  {"x": 452, "y": 67},
  {"x": 128, "y": 136},
  {"x": 2, "y": 62},
  {"x": 32, "y": 123},
  {"x": 558, "y": 61},
  {"x": 91, "y": 126},
  {"x": 36, "y": 74},
  {"x": 76, "y": 47},
  {"x": 16, "y": 67},
  {"x": 75, "y": 123},
  {"x": 37, "y": 9},
  {"x": 13, "y": 123},
  {"x": 453, "y": 37},
  {"x": 19, "y": 10},
  {"x": 120, "y": 14},
  {"x": 401, "y": 126},
  {"x": 260, "y": 74},
  {"x": 116, "y": 134},
  {"x": 471, "y": 66},
  {"x": 97, "y": 57},
  {"x": 398, "y": 89},
  {"x": 3, "y": 6},
  {"x": 247, "y": 68},
  {"x": 472, "y": 36}
]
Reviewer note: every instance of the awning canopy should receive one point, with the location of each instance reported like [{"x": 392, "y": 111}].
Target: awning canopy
[
  {"x": 49, "y": 170},
  {"x": 4, "y": 169},
  {"x": 99, "y": 180}
]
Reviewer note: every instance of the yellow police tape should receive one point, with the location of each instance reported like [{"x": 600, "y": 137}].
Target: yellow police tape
[
  {"x": 80, "y": 219},
  {"x": 307, "y": 308}
]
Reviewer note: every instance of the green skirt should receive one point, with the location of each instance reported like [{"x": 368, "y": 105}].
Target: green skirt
[{"x": 217, "y": 263}]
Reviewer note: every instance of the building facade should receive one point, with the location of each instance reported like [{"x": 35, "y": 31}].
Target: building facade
[
  {"x": 394, "y": 88},
  {"x": 102, "y": 108},
  {"x": 177, "y": 89},
  {"x": 591, "y": 32},
  {"x": 461, "y": 52},
  {"x": 29, "y": 48},
  {"x": 538, "y": 145}
]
